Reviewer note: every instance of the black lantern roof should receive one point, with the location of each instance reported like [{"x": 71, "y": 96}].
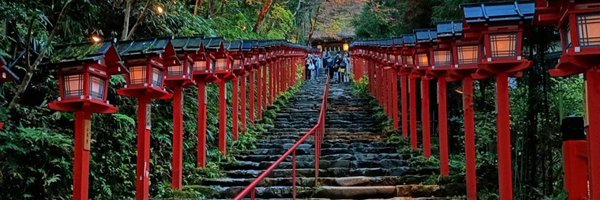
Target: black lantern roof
[
  {"x": 398, "y": 41},
  {"x": 248, "y": 45},
  {"x": 235, "y": 45},
  {"x": 77, "y": 53},
  {"x": 425, "y": 35},
  {"x": 387, "y": 42},
  {"x": 4, "y": 68},
  {"x": 143, "y": 46},
  {"x": 498, "y": 12},
  {"x": 409, "y": 39},
  {"x": 189, "y": 44},
  {"x": 449, "y": 29},
  {"x": 215, "y": 43}
]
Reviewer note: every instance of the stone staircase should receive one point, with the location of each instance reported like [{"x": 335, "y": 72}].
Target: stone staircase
[{"x": 357, "y": 162}]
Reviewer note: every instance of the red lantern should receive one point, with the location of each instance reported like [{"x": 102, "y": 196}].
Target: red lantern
[
  {"x": 235, "y": 51},
  {"x": 222, "y": 59},
  {"x": 424, "y": 39},
  {"x": 83, "y": 79},
  {"x": 578, "y": 22},
  {"x": 146, "y": 61},
  {"x": 83, "y": 85},
  {"x": 202, "y": 72},
  {"x": 408, "y": 50},
  {"x": 501, "y": 26},
  {"x": 501, "y": 33}
]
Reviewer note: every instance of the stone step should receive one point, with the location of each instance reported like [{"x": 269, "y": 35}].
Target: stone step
[
  {"x": 324, "y": 151},
  {"x": 327, "y": 144},
  {"x": 310, "y": 181},
  {"x": 324, "y": 164},
  {"x": 214, "y": 191},
  {"x": 360, "y": 192},
  {"x": 350, "y": 136},
  {"x": 310, "y": 158},
  {"x": 330, "y": 172}
]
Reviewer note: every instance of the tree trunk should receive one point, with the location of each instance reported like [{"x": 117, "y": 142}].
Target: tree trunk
[
  {"x": 196, "y": 7},
  {"x": 139, "y": 20},
  {"x": 263, "y": 12},
  {"x": 313, "y": 22},
  {"x": 298, "y": 7},
  {"x": 127, "y": 11},
  {"x": 32, "y": 67}
]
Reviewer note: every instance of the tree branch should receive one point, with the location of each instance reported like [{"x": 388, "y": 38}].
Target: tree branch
[
  {"x": 263, "y": 12},
  {"x": 27, "y": 79},
  {"x": 198, "y": 4},
  {"x": 139, "y": 20},
  {"x": 125, "y": 32}
]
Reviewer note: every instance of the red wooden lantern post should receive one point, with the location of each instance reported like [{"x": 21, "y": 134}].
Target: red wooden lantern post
[
  {"x": 179, "y": 76},
  {"x": 146, "y": 61},
  {"x": 425, "y": 39},
  {"x": 370, "y": 70},
  {"x": 388, "y": 70},
  {"x": 254, "y": 81},
  {"x": 442, "y": 61},
  {"x": 203, "y": 73},
  {"x": 6, "y": 75},
  {"x": 466, "y": 55},
  {"x": 408, "y": 53},
  {"x": 268, "y": 76},
  {"x": 223, "y": 71},
  {"x": 236, "y": 53},
  {"x": 248, "y": 72},
  {"x": 262, "y": 60},
  {"x": 83, "y": 86},
  {"x": 396, "y": 59},
  {"x": 579, "y": 25},
  {"x": 501, "y": 25}
]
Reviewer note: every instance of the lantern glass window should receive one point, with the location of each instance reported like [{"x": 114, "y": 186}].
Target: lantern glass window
[
  {"x": 238, "y": 63},
  {"x": 97, "y": 86},
  {"x": 504, "y": 44},
  {"x": 442, "y": 58},
  {"x": 423, "y": 59},
  {"x": 468, "y": 54},
  {"x": 157, "y": 77},
  {"x": 137, "y": 75},
  {"x": 589, "y": 29},
  {"x": 221, "y": 64},
  {"x": 566, "y": 36},
  {"x": 200, "y": 65},
  {"x": 175, "y": 70},
  {"x": 73, "y": 85},
  {"x": 408, "y": 60}
]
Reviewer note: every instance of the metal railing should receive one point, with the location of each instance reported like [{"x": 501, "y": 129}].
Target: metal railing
[{"x": 317, "y": 131}]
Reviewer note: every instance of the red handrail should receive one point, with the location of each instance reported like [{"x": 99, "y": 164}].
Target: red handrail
[{"x": 318, "y": 131}]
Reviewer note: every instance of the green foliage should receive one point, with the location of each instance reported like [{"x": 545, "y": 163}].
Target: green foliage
[
  {"x": 35, "y": 161},
  {"x": 36, "y": 145}
]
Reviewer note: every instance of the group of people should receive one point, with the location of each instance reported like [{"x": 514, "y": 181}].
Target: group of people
[{"x": 337, "y": 64}]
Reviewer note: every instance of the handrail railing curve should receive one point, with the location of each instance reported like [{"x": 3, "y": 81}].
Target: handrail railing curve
[{"x": 317, "y": 131}]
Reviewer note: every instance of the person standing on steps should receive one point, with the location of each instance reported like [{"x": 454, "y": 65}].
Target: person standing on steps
[
  {"x": 311, "y": 68},
  {"x": 329, "y": 64},
  {"x": 307, "y": 69},
  {"x": 348, "y": 65},
  {"x": 342, "y": 70},
  {"x": 337, "y": 67}
]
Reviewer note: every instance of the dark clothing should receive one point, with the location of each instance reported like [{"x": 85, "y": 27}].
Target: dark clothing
[{"x": 307, "y": 71}]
